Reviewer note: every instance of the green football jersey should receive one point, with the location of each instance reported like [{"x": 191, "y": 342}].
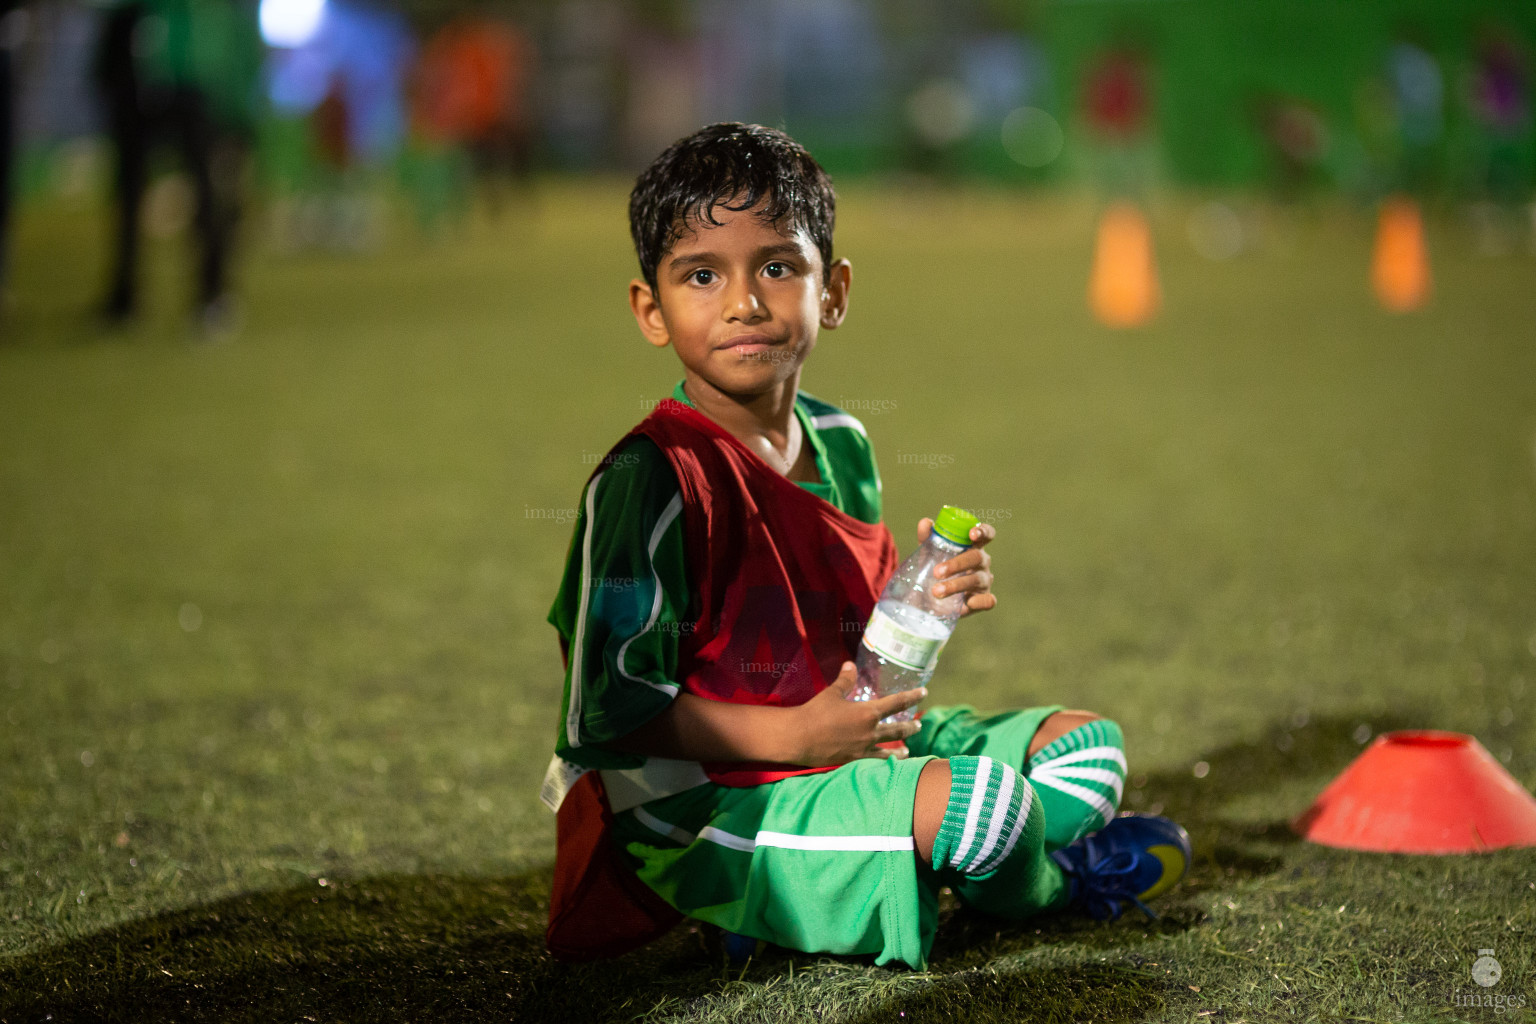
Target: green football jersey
[{"x": 626, "y": 597}]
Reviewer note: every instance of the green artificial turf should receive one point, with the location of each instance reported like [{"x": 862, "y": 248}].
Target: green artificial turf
[{"x": 276, "y": 692}]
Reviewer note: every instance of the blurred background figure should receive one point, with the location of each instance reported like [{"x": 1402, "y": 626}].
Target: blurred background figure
[
  {"x": 1117, "y": 108},
  {"x": 471, "y": 123},
  {"x": 336, "y": 76},
  {"x": 1296, "y": 142},
  {"x": 1499, "y": 98},
  {"x": 182, "y": 73},
  {"x": 1418, "y": 107},
  {"x": 334, "y": 214}
]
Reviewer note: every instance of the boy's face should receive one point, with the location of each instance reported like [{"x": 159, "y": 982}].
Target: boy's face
[{"x": 741, "y": 302}]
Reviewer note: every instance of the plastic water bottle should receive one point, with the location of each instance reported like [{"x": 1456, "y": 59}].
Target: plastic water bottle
[{"x": 910, "y": 626}]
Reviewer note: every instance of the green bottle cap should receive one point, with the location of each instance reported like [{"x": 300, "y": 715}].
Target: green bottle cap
[{"x": 954, "y": 525}]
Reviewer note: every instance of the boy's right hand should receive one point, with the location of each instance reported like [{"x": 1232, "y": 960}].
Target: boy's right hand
[{"x": 831, "y": 729}]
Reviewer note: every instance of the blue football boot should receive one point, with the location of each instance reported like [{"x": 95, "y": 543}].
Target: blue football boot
[
  {"x": 739, "y": 948},
  {"x": 1134, "y": 858}
]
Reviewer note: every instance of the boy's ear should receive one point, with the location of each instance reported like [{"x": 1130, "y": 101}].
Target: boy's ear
[
  {"x": 834, "y": 297},
  {"x": 647, "y": 310}
]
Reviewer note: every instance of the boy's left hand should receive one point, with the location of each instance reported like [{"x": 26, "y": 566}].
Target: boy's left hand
[{"x": 969, "y": 572}]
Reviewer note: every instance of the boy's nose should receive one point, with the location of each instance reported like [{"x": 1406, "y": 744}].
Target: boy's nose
[{"x": 743, "y": 304}]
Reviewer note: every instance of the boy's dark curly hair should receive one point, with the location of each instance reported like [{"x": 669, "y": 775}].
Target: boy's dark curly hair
[{"x": 737, "y": 166}]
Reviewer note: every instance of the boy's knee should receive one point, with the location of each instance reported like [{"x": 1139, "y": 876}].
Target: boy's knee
[
  {"x": 928, "y": 807},
  {"x": 971, "y": 813},
  {"x": 1058, "y": 725}
]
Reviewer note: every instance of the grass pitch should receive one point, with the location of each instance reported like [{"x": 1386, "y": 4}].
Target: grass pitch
[{"x": 276, "y": 691}]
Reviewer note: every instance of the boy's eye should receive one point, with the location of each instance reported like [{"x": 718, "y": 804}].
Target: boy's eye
[
  {"x": 702, "y": 276},
  {"x": 777, "y": 269}
]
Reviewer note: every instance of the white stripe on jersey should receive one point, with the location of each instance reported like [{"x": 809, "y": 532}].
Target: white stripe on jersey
[
  {"x": 668, "y": 514},
  {"x": 573, "y": 713},
  {"x": 837, "y": 419}
]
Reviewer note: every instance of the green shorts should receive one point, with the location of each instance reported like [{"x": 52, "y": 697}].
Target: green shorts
[{"x": 820, "y": 863}]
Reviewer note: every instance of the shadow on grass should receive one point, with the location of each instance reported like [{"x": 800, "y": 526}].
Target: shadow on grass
[
  {"x": 441, "y": 947},
  {"x": 1226, "y": 851},
  {"x": 1229, "y": 850},
  {"x": 386, "y": 948},
  {"x": 420, "y": 948}
]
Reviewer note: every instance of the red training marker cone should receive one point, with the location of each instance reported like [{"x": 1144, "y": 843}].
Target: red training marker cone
[
  {"x": 1400, "y": 264},
  {"x": 1123, "y": 289},
  {"x": 1422, "y": 791}
]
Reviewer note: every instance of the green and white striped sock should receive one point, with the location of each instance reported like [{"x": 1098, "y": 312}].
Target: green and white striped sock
[
  {"x": 989, "y": 805},
  {"x": 1078, "y": 778}
]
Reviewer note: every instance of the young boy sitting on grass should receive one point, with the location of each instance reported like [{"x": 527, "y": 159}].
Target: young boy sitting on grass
[{"x": 727, "y": 554}]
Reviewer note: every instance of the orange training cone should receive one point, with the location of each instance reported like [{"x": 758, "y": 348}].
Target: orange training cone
[
  {"x": 1400, "y": 266},
  {"x": 1422, "y": 791},
  {"x": 1123, "y": 289}
]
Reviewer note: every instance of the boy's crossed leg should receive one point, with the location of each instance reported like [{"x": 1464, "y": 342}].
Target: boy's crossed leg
[
  {"x": 1077, "y": 766},
  {"x": 1015, "y": 843},
  {"x": 836, "y": 861},
  {"x": 1074, "y": 760},
  {"x": 980, "y": 823}
]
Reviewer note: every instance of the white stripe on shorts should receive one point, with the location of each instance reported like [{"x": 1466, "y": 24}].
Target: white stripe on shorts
[
  {"x": 788, "y": 841},
  {"x": 856, "y": 844},
  {"x": 655, "y": 824},
  {"x": 725, "y": 839}
]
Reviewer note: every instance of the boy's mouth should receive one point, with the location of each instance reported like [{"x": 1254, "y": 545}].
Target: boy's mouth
[{"x": 748, "y": 344}]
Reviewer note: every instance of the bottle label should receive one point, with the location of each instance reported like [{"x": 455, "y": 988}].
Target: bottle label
[{"x": 885, "y": 637}]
